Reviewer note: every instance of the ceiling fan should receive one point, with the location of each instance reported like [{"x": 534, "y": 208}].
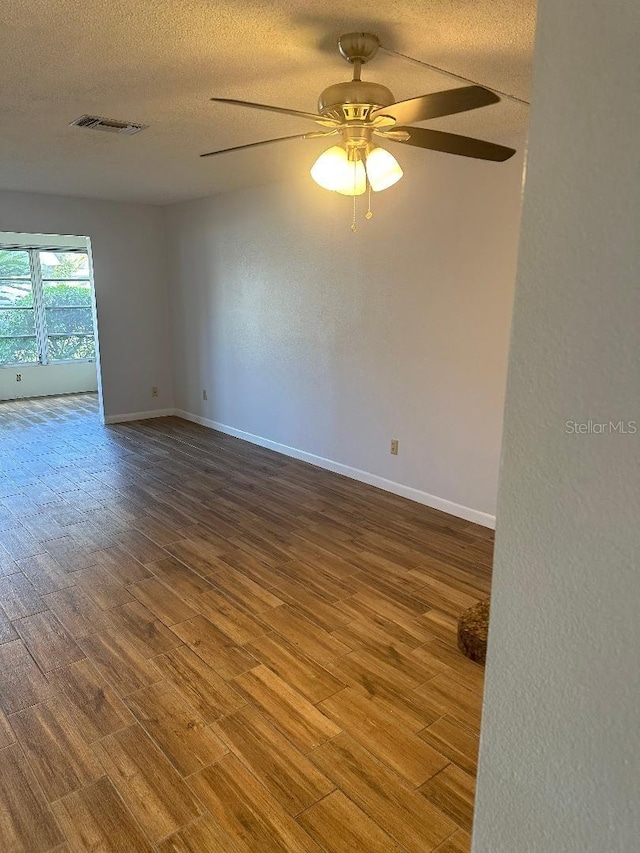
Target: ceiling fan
[{"x": 359, "y": 113}]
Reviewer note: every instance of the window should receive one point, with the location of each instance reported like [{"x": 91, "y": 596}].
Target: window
[{"x": 46, "y": 315}]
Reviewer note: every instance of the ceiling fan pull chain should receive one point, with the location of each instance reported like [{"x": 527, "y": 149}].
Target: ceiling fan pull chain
[
  {"x": 354, "y": 227},
  {"x": 369, "y": 213}
]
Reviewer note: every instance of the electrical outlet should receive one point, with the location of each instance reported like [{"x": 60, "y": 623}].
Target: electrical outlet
[
  {"x": 204, "y": 394},
  {"x": 18, "y": 377},
  {"x": 394, "y": 446},
  {"x": 154, "y": 391}
]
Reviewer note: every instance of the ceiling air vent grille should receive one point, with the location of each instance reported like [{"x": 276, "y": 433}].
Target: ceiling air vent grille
[{"x": 110, "y": 125}]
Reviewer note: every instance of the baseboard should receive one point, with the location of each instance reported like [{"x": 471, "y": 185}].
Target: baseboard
[
  {"x": 138, "y": 416},
  {"x": 451, "y": 508}
]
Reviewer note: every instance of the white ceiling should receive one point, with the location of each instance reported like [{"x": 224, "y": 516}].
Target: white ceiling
[{"x": 159, "y": 61}]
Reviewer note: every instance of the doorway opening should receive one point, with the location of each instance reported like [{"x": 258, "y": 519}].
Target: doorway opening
[{"x": 48, "y": 320}]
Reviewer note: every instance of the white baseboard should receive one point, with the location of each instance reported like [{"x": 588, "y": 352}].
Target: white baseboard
[
  {"x": 138, "y": 416},
  {"x": 460, "y": 511}
]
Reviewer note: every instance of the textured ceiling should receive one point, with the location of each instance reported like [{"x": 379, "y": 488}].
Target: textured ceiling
[{"x": 159, "y": 61}]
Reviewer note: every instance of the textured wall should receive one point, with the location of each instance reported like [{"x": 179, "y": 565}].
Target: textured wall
[
  {"x": 127, "y": 242},
  {"x": 333, "y": 343},
  {"x": 560, "y": 754}
]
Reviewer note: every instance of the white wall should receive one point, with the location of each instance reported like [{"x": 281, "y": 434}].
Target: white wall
[
  {"x": 129, "y": 261},
  {"x": 333, "y": 343},
  {"x": 560, "y": 752},
  {"x": 42, "y": 380}
]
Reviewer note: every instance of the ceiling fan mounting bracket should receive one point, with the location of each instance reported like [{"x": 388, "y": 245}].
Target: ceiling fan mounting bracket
[{"x": 358, "y": 47}]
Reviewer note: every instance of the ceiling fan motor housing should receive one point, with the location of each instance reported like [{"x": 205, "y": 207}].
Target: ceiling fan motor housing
[{"x": 355, "y": 99}]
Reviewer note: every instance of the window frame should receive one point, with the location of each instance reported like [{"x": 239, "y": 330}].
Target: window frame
[{"x": 37, "y": 282}]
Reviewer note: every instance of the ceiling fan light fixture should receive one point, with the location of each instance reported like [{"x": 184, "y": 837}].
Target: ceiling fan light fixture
[
  {"x": 333, "y": 170},
  {"x": 383, "y": 170}
]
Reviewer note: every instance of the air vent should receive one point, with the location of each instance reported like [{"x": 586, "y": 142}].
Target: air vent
[{"x": 110, "y": 125}]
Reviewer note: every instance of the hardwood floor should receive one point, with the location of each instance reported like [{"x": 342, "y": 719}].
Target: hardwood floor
[{"x": 208, "y": 646}]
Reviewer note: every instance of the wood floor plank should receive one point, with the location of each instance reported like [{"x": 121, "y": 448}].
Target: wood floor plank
[
  {"x": 251, "y": 567},
  {"x": 198, "y": 684},
  {"x": 204, "y": 834},
  {"x": 214, "y": 647},
  {"x": 102, "y": 587},
  {"x": 45, "y": 574},
  {"x": 377, "y": 731},
  {"x": 7, "y": 736},
  {"x": 300, "y": 672},
  {"x": 312, "y": 640},
  {"x": 311, "y": 606},
  {"x": 339, "y": 826},
  {"x": 459, "y": 667},
  {"x": 91, "y": 537},
  {"x": 95, "y": 818},
  {"x": 440, "y": 625},
  {"x": 79, "y": 614},
  {"x": 45, "y": 637},
  {"x": 197, "y": 553},
  {"x": 19, "y": 543},
  {"x": 182, "y": 580},
  {"x": 60, "y": 758},
  {"x": 406, "y": 708},
  {"x": 286, "y": 773},
  {"x": 27, "y": 822},
  {"x": 401, "y": 812},
  {"x": 68, "y": 553},
  {"x": 244, "y": 591},
  {"x": 247, "y": 811},
  {"x": 150, "y": 636},
  {"x": 140, "y": 546},
  {"x": 452, "y": 791},
  {"x": 393, "y": 669},
  {"x": 8, "y": 565},
  {"x": 236, "y": 623},
  {"x": 286, "y": 708},
  {"x": 152, "y": 789},
  {"x": 119, "y": 661},
  {"x": 22, "y": 683},
  {"x": 18, "y": 597},
  {"x": 94, "y": 705},
  {"x": 445, "y": 695},
  {"x": 367, "y": 602},
  {"x": 182, "y": 735},
  {"x": 380, "y": 636},
  {"x": 121, "y": 564},
  {"x": 455, "y": 741},
  {"x": 162, "y": 601},
  {"x": 445, "y": 598},
  {"x": 459, "y": 842},
  {"x": 7, "y": 631}
]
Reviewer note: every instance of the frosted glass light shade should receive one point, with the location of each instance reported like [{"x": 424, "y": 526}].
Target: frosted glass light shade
[
  {"x": 383, "y": 170},
  {"x": 354, "y": 179},
  {"x": 328, "y": 169},
  {"x": 334, "y": 171}
]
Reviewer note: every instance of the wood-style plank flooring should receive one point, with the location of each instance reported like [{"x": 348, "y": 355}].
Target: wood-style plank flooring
[{"x": 206, "y": 646}]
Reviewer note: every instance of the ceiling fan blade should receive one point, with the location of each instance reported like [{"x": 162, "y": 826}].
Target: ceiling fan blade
[
  {"x": 451, "y": 143},
  {"x": 320, "y": 134},
  {"x": 254, "y": 144},
  {"x": 323, "y": 120},
  {"x": 396, "y": 135},
  {"x": 439, "y": 104}
]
